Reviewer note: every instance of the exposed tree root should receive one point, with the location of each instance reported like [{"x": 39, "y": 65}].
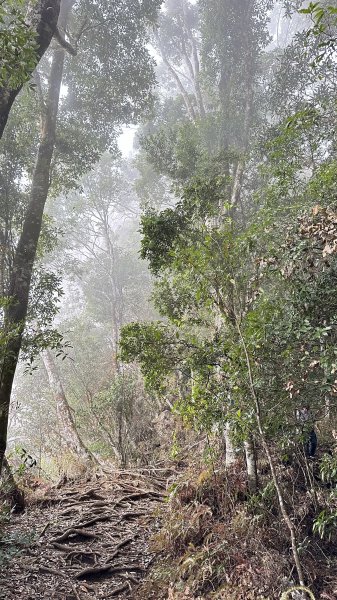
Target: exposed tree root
[
  {"x": 95, "y": 535},
  {"x": 94, "y": 571},
  {"x": 90, "y": 495},
  {"x": 81, "y": 553},
  {"x": 74, "y": 531},
  {"x": 98, "y": 519},
  {"x": 133, "y": 515},
  {"x": 141, "y": 494},
  {"x": 118, "y": 590}
]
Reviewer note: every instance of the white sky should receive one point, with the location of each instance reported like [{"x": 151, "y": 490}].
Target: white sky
[{"x": 125, "y": 140}]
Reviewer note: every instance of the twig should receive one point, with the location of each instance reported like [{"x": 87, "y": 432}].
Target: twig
[
  {"x": 118, "y": 548},
  {"x": 44, "y": 569},
  {"x": 76, "y": 594},
  {"x": 44, "y": 530}
]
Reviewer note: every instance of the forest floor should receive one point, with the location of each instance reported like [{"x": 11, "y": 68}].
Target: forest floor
[{"x": 83, "y": 540}]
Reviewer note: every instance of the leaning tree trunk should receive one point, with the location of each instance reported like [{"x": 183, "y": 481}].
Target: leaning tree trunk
[
  {"x": 25, "y": 253},
  {"x": 42, "y": 19},
  {"x": 68, "y": 429}
]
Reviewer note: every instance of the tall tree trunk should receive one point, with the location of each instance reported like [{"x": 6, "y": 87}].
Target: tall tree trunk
[
  {"x": 42, "y": 19},
  {"x": 68, "y": 429},
  {"x": 21, "y": 275}
]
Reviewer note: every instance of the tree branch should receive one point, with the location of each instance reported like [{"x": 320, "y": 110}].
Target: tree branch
[{"x": 63, "y": 42}]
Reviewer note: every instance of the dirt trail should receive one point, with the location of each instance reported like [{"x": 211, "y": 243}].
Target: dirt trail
[{"x": 89, "y": 539}]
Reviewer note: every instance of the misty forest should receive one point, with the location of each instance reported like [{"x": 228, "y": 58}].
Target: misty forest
[{"x": 168, "y": 299}]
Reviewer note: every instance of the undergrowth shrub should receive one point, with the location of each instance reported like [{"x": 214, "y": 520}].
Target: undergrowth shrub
[{"x": 220, "y": 542}]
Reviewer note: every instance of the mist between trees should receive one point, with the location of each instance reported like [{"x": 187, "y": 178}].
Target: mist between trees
[{"x": 198, "y": 274}]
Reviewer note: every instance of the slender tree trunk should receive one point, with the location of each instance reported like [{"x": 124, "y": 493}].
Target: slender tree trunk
[
  {"x": 266, "y": 448},
  {"x": 68, "y": 429},
  {"x": 198, "y": 93},
  {"x": 121, "y": 445},
  {"x": 195, "y": 69},
  {"x": 237, "y": 183},
  {"x": 183, "y": 91},
  {"x": 230, "y": 455},
  {"x": 42, "y": 19},
  {"x": 21, "y": 275},
  {"x": 251, "y": 464},
  {"x": 116, "y": 300}
]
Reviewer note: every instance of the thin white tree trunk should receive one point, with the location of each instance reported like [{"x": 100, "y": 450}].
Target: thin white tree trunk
[
  {"x": 251, "y": 464},
  {"x": 230, "y": 455}
]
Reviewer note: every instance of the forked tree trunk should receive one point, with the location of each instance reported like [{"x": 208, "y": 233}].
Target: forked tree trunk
[
  {"x": 68, "y": 429},
  {"x": 25, "y": 253}
]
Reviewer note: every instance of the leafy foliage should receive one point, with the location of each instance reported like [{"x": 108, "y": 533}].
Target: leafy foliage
[{"x": 17, "y": 44}]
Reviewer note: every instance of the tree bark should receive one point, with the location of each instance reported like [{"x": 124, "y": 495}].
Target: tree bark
[
  {"x": 68, "y": 429},
  {"x": 42, "y": 19},
  {"x": 25, "y": 253}
]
